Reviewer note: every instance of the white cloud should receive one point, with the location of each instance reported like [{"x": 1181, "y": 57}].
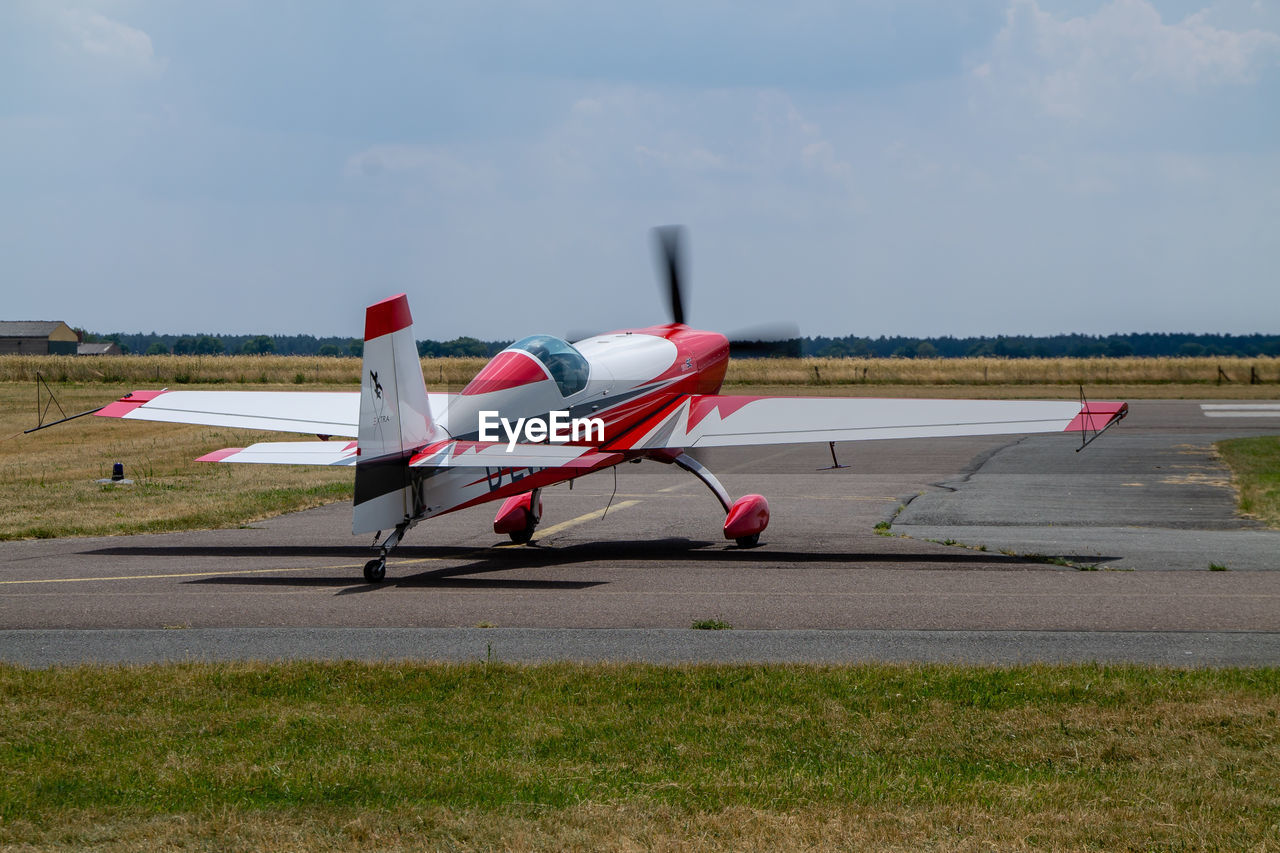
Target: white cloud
[
  {"x": 912, "y": 162},
  {"x": 102, "y": 38},
  {"x": 820, "y": 156},
  {"x": 636, "y": 134},
  {"x": 693, "y": 158},
  {"x": 788, "y": 138},
  {"x": 436, "y": 166},
  {"x": 1071, "y": 66}
]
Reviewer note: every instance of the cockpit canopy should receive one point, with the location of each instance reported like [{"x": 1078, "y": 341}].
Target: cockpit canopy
[{"x": 566, "y": 365}]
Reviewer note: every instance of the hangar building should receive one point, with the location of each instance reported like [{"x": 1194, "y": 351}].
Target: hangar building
[{"x": 37, "y": 337}]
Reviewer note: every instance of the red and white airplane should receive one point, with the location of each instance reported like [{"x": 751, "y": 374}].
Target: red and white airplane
[{"x": 419, "y": 454}]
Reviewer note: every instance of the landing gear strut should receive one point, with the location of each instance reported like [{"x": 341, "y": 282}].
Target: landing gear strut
[
  {"x": 745, "y": 519},
  {"x": 376, "y": 569}
]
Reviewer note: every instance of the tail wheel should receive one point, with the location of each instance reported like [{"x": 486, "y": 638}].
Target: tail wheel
[
  {"x": 748, "y": 541},
  {"x": 375, "y": 570}
]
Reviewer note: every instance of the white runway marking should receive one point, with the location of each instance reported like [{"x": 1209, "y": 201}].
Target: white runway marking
[{"x": 1240, "y": 410}]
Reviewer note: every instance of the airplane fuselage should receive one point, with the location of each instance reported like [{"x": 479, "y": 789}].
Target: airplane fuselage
[{"x": 624, "y": 378}]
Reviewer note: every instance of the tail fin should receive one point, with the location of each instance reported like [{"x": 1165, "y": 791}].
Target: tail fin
[{"x": 395, "y": 417}]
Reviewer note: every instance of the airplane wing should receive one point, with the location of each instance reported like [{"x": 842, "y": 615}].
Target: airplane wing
[
  {"x": 714, "y": 420},
  {"x": 319, "y": 412},
  {"x": 696, "y": 420}
]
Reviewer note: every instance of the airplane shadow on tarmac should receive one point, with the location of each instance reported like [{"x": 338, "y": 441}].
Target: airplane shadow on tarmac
[
  {"x": 507, "y": 556},
  {"x": 354, "y": 552},
  {"x": 497, "y": 559}
]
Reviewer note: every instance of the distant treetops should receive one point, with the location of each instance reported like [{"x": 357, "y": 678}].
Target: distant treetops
[{"x": 1003, "y": 346}]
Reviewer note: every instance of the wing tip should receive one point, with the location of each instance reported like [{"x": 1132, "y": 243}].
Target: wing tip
[
  {"x": 1094, "y": 417},
  {"x": 126, "y": 404},
  {"x": 220, "y": 455}
]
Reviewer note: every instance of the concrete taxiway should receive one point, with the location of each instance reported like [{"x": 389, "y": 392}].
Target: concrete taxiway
[{"x": 1149, "y": 506}]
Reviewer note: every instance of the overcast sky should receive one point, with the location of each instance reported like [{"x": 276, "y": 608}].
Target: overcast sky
[{"x": 918, "y": 168}]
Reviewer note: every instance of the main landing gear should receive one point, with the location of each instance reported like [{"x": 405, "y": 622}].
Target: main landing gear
[
  {"x": 518, "y": 516},
  {"x": 376, "y": 569},
  {"x": 745, "y": 519}
]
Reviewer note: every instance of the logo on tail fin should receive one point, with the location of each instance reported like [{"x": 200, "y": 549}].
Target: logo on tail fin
[{"x": 377, "y": 386}]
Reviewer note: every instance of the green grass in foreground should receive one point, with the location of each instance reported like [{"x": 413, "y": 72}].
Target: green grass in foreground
[
  {"x": 1255, "y": 472},
  {"x": 355, "y": 756}
]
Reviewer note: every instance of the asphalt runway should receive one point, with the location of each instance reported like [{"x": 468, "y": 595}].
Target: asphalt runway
[{"x": 1147, "y": 507}]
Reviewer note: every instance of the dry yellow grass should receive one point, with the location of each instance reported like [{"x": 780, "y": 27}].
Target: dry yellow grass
[
  {"x": 1091, "y": 372},
  {"x": 1020, "y": 392},
  {"x": 853, "y": 373},
  {"x": 894, "y": 828},
  {"x": 171, "y": 371}
]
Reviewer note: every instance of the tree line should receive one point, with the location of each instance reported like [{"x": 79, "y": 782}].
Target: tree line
[
  {"x": 1001, "y": 346},
  {"x": 210, "y": 344}
]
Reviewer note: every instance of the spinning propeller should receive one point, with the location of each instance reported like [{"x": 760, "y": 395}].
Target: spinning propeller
[
  {"x": 771, "y": 339},
  {"x": 669, "y": 240}
]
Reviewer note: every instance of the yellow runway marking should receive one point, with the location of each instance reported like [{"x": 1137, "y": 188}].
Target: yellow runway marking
[
  {"x": 641, "y": 495},
  {"x": 582, "y": 519},
  {"x": 213, "y": 574}
]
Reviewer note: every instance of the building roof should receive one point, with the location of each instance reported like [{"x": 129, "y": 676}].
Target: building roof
[
  {"x": 104, "y": 348},
  {"x": 29, "y": 328}
]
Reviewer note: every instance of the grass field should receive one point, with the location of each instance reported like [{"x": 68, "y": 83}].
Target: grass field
[
  {"x": 1255, "y": 473},
  {"x": 351, "y": 756},
  {"x": 47, "y": 479}
]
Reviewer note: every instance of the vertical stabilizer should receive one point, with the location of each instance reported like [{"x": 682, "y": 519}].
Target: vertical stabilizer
[{"x": 395, "y": 417}]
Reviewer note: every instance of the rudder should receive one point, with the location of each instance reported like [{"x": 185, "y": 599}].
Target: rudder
[{"x": 395, "y": 417}]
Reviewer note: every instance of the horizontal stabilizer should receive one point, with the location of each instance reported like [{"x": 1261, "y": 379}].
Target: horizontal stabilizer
[
  {"x": 307, "y": 412},
  {"x": 288, "y": 453}
]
